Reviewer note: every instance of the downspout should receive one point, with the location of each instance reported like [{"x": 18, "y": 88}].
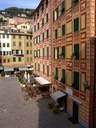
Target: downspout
[{"x": 94, "y": 67}]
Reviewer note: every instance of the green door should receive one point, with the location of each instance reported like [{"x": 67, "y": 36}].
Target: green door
[{"x": 75, "y": 111}]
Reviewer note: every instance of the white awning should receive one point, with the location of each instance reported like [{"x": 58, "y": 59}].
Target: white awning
[
  {"x": 8, "y": 69},
  {"x": 76, "y": 100},
  {"x": 1, "y": 67},
  {"x": 57, "y": 95},
  {"x": 42, "y": 80},
  {"x": 23, "y": 68}
]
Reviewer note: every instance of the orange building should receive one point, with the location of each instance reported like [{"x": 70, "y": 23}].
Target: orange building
[
  {"x": 73, "y": 57},
  {"x": 42, "y": 18},
  {"x": 64, "y": 53}
]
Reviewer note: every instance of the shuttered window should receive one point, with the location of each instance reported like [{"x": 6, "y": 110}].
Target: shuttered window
[
  {"x": 75, "y": 84},
  {"x": 76, "y": 25},
  {"x": 63, "y": 76}
]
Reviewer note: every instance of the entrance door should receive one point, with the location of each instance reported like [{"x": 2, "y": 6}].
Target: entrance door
[{"x": 75, "y": 111}]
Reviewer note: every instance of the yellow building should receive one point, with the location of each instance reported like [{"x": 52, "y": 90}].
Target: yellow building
[
  {"x": 16, "y": 49},
  {"x": 24, "y": 27}
]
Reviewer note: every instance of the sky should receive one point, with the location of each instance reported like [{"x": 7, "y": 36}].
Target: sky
[{"x": 19, "y": 3}]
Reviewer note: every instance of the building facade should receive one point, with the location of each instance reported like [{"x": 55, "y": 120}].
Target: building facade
[
  {"x": 42, "y": 24},
  {"x": 73, "y": 51},
  {"x": 72, "y": 39},
  {"x": 15, "y": 49}
]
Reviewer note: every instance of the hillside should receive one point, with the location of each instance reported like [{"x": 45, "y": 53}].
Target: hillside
[{"x": 20, "y": 12}]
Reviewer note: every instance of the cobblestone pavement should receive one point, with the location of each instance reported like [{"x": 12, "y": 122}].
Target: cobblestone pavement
[{"x": 15, "y": 112}]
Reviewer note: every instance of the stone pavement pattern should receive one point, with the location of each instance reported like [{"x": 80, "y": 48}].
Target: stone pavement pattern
[{"x": 15, "y": 112}]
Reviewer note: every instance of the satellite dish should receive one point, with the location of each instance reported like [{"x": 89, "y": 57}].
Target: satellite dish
[{"x": 85, "y": 83}]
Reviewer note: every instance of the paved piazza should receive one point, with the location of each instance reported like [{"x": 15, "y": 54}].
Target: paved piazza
[{"x": 16, "y": 112}]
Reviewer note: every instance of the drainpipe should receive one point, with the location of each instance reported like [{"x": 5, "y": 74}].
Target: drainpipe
[{"x": 94, "y": 67}]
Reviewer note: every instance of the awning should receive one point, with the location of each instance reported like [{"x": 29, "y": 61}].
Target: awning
[
  {"x": 8, "y": 69},
  {"x": 74, "y": 99},
  {"x": 23, "y": 68},
  {"x": 1, "y": 67},
  {"x": 57, "y": 95},
  {"x": 42, "y": 80}
]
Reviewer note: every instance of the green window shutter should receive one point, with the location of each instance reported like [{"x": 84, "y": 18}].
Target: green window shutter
[
  {"x": 56, "y": 34},
  {"x": 63, "y": 7},
  {"x": 76, "y": 50},
  {"x": 16, "y": 51},
  {"x": 53, "y": 16},
  {"x": 76, "y": 25},
  {"x": 63, "y": 51},
  {"x": 76, "y": 80},
  {"x": 56, "y": 71},
  {"x": 63, "y": 30},
  {"x": 54, "y": 53},
  {"x": 57, "y": 52},
  {"x": 47, "y": 52}
]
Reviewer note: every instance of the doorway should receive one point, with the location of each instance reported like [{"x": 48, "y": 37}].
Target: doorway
[{"x": 75, "y": 111}]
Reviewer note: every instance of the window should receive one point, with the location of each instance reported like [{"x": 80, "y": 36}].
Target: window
[
  {"x": 3, "y": 36},
  {"x": 47, "y": 33},
  {"x": 38, "y": 67},
  {"x": 37, "y": 13},
  {"x": 31, "y": 44},
  {"x": 35, "y": 66},
  {"x": 75, "y": 55},
  {"x": 63, "y": 30},
  {"x": 38, "y": 25},
  {"x": 3, "y": 44},
  {"x": 19, "y": 36},
  {"x": 62, "y": 55},
  {"x": 8, "y": 45},
  {"x": 63, "y": 76},
  {"x": 30, "y": 51},
  {"x": 63, "y": 7},
  {"x": 75, "y": 84},
  {"x": 19, "y": 43},
  {"x": 14, "y": 43},
  {"x": 35, "y": 28},
  {"x": 46, "y": 17},
  {"x": 43, "y": 36},
  {"x": 43, "y": 53},
  {"x": 42, "y": 7},
  {"x": 56, "y": 53},
  {"x": 56, "y": 33},
  {"x": 4, "y": 53},
  {"x": 19, "y": 59},
  {"x": 56, "y": 74},
  {"x": 47, "y": 52},
  {"x": 47, "y": 70},
  {"x": 27, "y": 52},
  {"x": 42, "y": 22},
  {"x": 8, "y": 60},
  {"x": 55, "y": 14},
  {"x": 7, "y": 36},
  {"x": 75, "y": 1},
  {"x": 43, "y": 69},
  {"x": 13, "y": 36},
  {"x": 27, "y": 44},
  {"x": 76, "y": 25},
  {"x": 27, "y": 37},
  {"x": 46, "y": 2},
  {"x": 4, "y": 60},
  {"x": 14, "y": 59}
]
